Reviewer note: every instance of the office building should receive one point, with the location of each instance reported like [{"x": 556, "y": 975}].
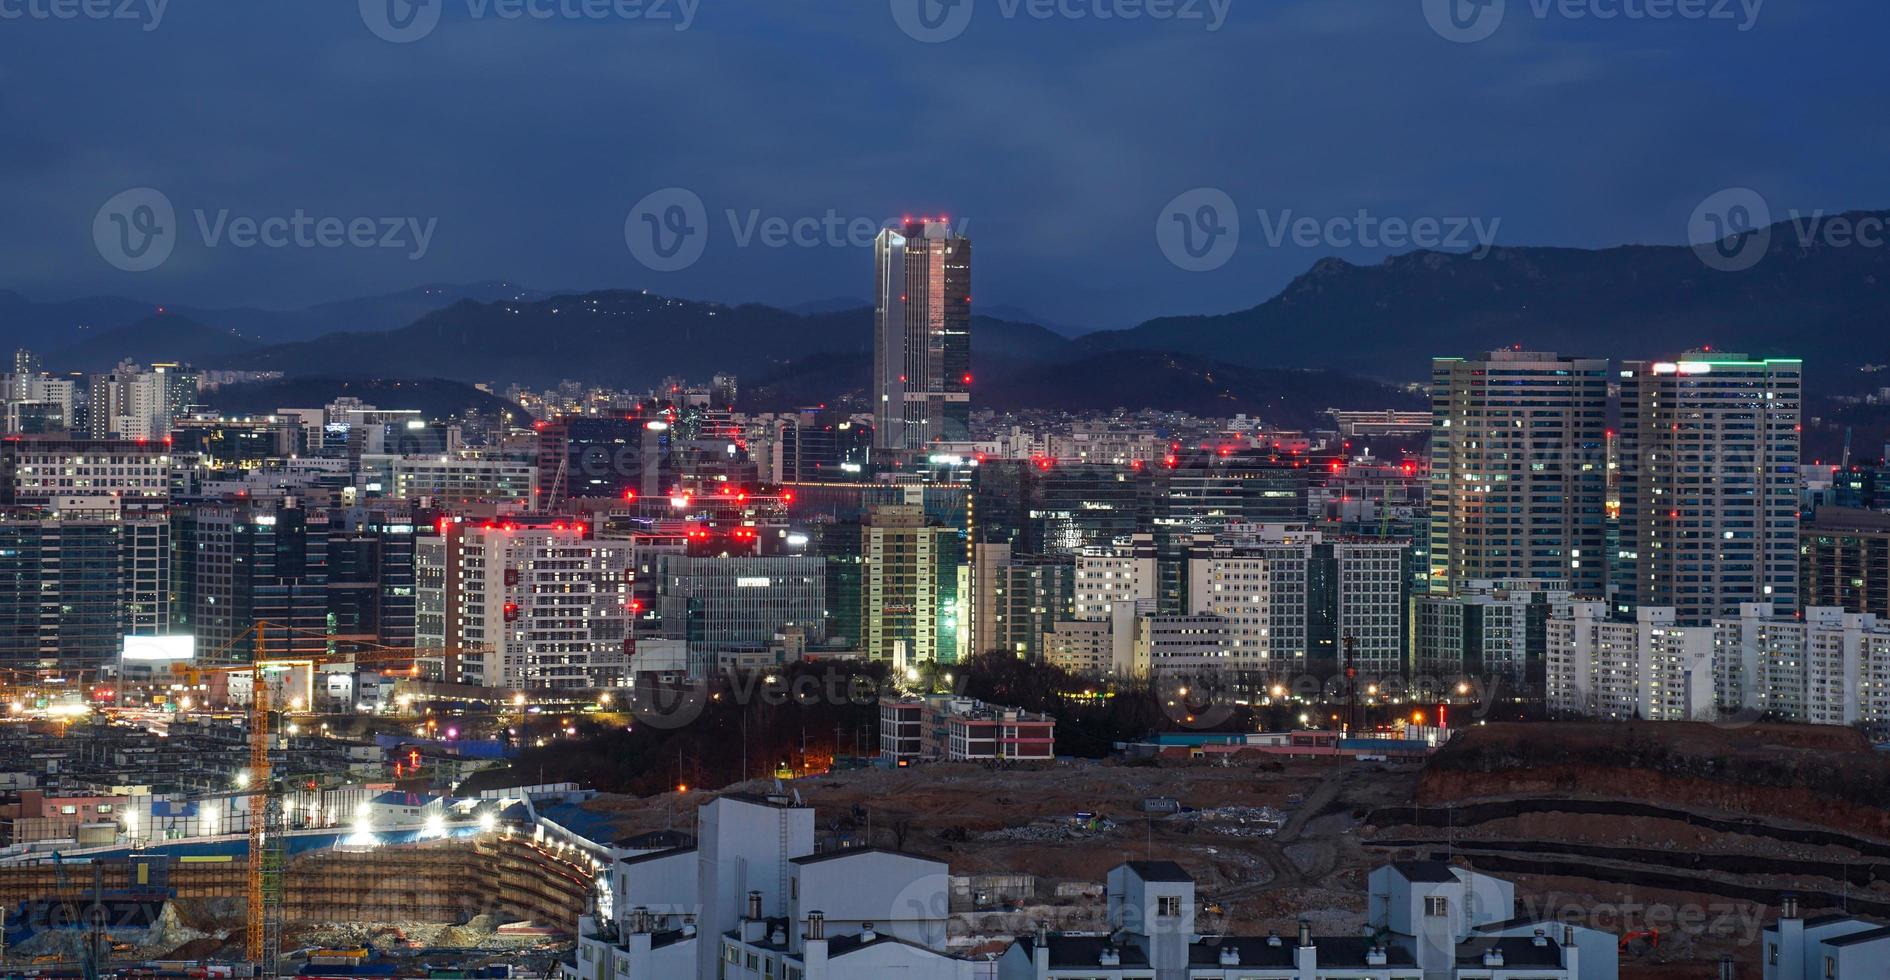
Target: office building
[
  {"x": 36, "y": 470},
  {"x": 371, "y": 577},
  {"x": 1518, "y": 481},
  {"x": 719, "y": 605},
  {"x": 238, "y": 563},
  {"x": 921, "y": 337},
  {"x": 1709, "y": 482},
  {"x": 451, "y": 479},
  {"x": 76, "y": 580}
]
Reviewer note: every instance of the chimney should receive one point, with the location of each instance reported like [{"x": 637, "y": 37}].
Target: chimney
[
  {"x": 867, "y": 934},
  {"x": 1230, "y": 954},
  {"x": 814, "y": 947},
  {"x": 754, "y": 905},
  {"x": 1040, "y": 950},
  {"x": 1788, "y": 907},
  {"x": 1376, "y": 956},
  {"x": 1542, "y": 939},
  {"x": 1305, "y": 934},
  {"x": 1728, "y": 970},
  {"x": 1493, "y": 958},
  {"x": 1109, "y": 957}
]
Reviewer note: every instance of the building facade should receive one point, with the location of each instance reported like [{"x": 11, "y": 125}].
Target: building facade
[{"x": 921, "y": 336}]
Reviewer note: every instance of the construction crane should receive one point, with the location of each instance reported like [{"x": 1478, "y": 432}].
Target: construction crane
[{"x": 266, "y": 856}]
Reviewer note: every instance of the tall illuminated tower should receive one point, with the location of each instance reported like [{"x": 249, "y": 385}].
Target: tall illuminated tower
[{"x": 921, "y": 336}]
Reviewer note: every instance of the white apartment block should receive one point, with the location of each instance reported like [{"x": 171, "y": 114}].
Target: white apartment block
[
  {"x": 1650, "y": 669},
  {"x": 752, "y": 900},
  {"x": 524, "y": 605},
  {"x": 1427, "y": 921},
  {"x": 1831, "y": 668},
  {"x": 1825, "y": 947}
]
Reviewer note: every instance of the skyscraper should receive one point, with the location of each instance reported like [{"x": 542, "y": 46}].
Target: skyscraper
[
  {"x": 1709, "y": 482},
  {"x": 921, "y": 336},
  {"x": 1518, "y": 471}
]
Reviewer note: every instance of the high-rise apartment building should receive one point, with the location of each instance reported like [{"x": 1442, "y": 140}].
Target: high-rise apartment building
[
  {"x": 1518, "y": 471},
  {"x": 1709, "y": 482},
  {"x": 1844, "y": 561},
  {"x": 921, "y": 336},
  {"x": 1018, "y": 599},
  {"x": 525, "y": 603},
  {"x": 909, "y": 598}
]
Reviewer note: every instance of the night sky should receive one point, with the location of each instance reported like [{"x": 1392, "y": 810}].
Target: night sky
[{"x": 1059, "y": 142}]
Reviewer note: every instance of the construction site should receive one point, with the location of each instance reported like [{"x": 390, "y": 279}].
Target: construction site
[{"x": 1682, "y": 840}]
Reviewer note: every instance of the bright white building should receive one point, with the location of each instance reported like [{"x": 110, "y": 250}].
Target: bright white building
[
  {"x": 1428, "y": 921},
  {"x": 1831, "y": 668},
  {"x": 1649, "y": 669},
  {"x": 539, "y": 605},
  {"x": 1825, "y": 947},
  {"x": 754, "y": 901}
]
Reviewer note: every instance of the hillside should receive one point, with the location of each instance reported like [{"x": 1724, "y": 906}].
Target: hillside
[
  {"x": 160, "y": 337},
  {"x": 434, "y": 397},
  {"x": 1826, "y": 304}
]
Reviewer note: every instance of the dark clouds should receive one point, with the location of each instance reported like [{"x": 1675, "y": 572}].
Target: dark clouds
[{"x": 1058, "y": 141}]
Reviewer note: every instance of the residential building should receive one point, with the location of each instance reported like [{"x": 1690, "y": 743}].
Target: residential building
[
  {"x": 1017, "y": 599},
  {"x": 1652, "y": 669},
  {"x": 1709, "y": 482},
  {"x": 910, "y": 605},
  {"x": 35, "y": 470},
  {"x": 1517, "y": 470},
  {"x": 536, "y": 603},
  {"x": 1844, "y": 561},
  {"x": 947, "y": 728},
  {"x": 1496, "y": 630},
  {"x": 1427, "y": 920},
  {"x": 241, "y": 562},
  {"x": 75, "y": 581},
  {"x": 1823, "y": 947},
  {"x": 1832, "y": 667}
]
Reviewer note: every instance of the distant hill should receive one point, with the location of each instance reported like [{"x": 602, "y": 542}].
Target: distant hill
[
  {"x": 47, "y": 326},
  {"x": 1132, "y": 379},
  {"x": 1826, "y": 304},
  {"x": 434, "y": 397},
  {"x": 160, "y": 337}
]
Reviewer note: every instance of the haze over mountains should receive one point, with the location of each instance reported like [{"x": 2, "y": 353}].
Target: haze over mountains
[{"x": 1807, "y": 298}]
